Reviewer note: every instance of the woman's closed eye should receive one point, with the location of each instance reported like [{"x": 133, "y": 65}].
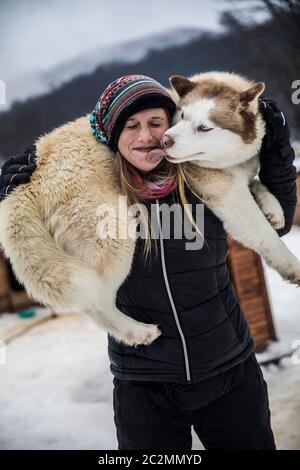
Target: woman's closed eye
[{"x": 136, "y": 125}]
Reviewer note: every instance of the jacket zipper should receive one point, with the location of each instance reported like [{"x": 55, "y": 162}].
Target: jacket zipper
[{"x": 162, "y": 251}]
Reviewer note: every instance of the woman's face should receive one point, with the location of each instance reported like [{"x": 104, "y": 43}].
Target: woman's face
[{"x": 141, "y": 134}]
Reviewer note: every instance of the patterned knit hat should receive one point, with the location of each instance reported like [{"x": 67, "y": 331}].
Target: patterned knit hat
[{"x": 121, "y": 99}]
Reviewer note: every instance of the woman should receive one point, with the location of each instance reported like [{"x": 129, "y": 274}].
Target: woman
[{"x": 202, "y": 370}]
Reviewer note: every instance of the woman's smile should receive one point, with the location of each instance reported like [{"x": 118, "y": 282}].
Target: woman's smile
[{"x": 145, "y": 149}]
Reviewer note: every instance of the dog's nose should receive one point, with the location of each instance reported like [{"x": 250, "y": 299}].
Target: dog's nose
[{"x": 167, "y": 142}]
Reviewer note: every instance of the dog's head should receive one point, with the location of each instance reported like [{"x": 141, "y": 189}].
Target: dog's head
[{"x": 217, "y": 123}]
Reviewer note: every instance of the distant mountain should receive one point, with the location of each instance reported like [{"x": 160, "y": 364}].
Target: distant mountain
[
  {"x": 127, "y": 52},
  {"x": 238, "y": 51},
  {"x": 38, "y": 83}
]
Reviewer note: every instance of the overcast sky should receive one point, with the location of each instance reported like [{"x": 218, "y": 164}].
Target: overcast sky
[{"x": 38, "y": 34}]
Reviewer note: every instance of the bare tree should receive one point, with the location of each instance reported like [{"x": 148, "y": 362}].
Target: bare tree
[{"x": 273, "y": 45}]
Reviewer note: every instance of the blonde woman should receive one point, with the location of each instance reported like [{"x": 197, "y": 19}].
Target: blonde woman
[{"x": 202, "y": 370}]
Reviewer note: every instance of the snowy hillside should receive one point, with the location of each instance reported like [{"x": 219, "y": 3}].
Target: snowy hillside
[{"x": 38, "y": 82}]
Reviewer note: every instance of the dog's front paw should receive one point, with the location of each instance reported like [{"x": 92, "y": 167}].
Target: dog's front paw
[
  {"x": 276, "y": 219},
  {"x": 143, "y": 333},
  {"x": 272, "y": 209}
]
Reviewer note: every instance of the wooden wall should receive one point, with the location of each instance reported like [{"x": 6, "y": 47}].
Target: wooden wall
[{"x": 248, "y": 278}]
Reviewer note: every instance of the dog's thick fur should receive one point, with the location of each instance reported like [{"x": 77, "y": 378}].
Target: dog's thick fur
[
  {"x": 48, "y": 226},
  {"x": 48, "y": 231},
  {"x": 224, "y": 158}
]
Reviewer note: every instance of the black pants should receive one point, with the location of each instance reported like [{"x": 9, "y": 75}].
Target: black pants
[{"x": 156, "y": 415}]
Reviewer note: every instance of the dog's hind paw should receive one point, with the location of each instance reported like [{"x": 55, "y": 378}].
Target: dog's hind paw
[{"x": 143, "y": 333}]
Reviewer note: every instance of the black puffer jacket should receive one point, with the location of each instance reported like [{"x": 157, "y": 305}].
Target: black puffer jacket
[{"x": 189, "y": 294}]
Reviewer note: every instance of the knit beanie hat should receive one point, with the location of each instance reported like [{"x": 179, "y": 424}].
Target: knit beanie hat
[{"x": 121, "y": 99}]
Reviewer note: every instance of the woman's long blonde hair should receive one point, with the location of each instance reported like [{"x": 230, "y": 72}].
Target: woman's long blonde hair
[{"x": 166, "y": 171}]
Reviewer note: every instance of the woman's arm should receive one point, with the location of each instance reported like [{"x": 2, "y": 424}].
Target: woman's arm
[
  {"x": 277, "y": 171},
  {"x": 17, "y": 170}
]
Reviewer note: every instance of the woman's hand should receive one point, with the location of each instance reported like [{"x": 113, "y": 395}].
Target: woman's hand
[
  {"x": 277, "y": 129},
  {"x": 277, "y": 171},
  {"x": 17, "y": 170}
]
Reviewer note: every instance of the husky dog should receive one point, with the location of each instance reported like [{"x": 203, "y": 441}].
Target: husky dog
[
  {"x": 49, "y": 226},
  {"x": 218, "y": 129}
]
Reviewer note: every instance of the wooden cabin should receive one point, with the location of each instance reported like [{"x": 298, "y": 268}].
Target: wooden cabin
[
  {"x": 296, "y": 146},
  {"x": 297, "y": 211},
  {"x": 13, "y": 297},
  {"x": 248, "y": 277}
]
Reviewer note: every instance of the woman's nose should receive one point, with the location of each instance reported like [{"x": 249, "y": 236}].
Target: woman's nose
[{"x": 145, "y": 134}]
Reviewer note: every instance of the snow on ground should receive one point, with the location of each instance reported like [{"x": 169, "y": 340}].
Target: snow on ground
[
  {"x": 284, "y": 381},
  {"x": 284, "y": 385},
  {"x": 56, "y": 385},
  {"x": 57, "y": 388},
  {"x": 285, "y": 302}
]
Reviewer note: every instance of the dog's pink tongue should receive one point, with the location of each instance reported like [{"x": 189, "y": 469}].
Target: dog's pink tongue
[{"x": 155, "y": 155}]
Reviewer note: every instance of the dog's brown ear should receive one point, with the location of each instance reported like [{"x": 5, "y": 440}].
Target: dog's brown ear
[
  {"x": 251, "y": 93},
  {"x": 181, "y": 84}
]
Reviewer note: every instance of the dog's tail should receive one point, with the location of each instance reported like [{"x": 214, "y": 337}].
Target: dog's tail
[{"x": 49, "y": 274}]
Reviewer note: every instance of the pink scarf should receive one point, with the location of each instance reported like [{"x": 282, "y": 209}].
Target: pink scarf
[{"x": 152, "y": 189}]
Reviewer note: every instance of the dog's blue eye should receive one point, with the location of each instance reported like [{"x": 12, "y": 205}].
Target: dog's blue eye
[{"x": 203, "y": 128}]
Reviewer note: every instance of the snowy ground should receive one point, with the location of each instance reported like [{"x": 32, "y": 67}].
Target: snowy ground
[{"x": 56, "y": 386}]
